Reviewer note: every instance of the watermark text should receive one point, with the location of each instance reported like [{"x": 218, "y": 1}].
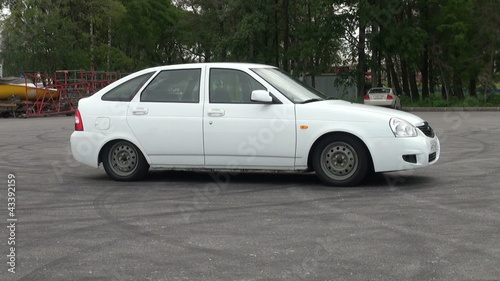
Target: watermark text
[{"x": 11, "y": 222}]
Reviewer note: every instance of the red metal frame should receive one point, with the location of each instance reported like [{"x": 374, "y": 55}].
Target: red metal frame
[{"x": 69, "y": 85}]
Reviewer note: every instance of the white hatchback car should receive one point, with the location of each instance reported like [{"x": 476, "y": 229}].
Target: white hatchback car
[
  {"x": 240, "y": 116},
  {"x": 383, "y": 96}
]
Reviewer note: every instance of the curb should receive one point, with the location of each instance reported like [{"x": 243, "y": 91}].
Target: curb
[{"x": 442, "y": 109}]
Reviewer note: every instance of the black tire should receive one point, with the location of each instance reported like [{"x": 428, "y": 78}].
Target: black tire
[
  {"x": 123, "y": 161},
  {"x": 341, "y": 160}
]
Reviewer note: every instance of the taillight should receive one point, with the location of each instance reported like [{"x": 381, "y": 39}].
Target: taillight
[
  {"x": 389, "y": 97},
  {"x": 367, "y": 97},
  {"x": 78, "y": 121}
]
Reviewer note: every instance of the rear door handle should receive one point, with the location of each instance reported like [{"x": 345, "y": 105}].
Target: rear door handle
[
  {"x": 216, "y": 112},
  {"x": 140, "y": 111}
]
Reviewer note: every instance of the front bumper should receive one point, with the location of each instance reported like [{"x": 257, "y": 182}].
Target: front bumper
[{"x": 394, "y": 154}]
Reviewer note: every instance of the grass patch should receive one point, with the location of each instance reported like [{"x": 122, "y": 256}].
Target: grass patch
[{"x": 436, "y": 100}]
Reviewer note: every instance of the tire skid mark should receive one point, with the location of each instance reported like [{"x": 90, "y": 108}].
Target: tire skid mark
[
  {"x": 457, "y": 243},
  {"x": 100, "y": 206},
  {"x": 43, "y": 272},
  {"x": 62, "y": 233},
  {"x": 69, "y": 232},
  {"x": 43, "y": 136},
  {"x": 41, "y": 140},
  {"x": 81, "y": 204},
  {"x": 103, "y": 214},
  {"x": 50, "y": 205},
  {"x": 132, "y": 231},
  {"x": 485, "y": 149},
  {"x": 455, "y": 210}
]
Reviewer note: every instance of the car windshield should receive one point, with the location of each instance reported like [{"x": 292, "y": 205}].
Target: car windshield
[{"x": 292, "y": 88}]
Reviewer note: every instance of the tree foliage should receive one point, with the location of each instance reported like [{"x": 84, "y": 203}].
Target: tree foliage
[{"x": 405, "y": 44}]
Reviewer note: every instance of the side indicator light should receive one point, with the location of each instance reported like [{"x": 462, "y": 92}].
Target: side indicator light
[{"x": 304, "y": 127}]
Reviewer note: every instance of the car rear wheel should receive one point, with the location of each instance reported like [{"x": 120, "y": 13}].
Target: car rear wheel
[
  {"x": 341, "y": 160},
  {"x": 123, "y": 161}
]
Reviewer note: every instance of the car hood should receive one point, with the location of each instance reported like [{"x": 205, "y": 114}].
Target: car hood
[{"x": 366, "y": 110}]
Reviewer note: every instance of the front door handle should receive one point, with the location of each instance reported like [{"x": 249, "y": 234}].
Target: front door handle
[
  {"x": 140, "y": 111},
  {"x": 216, "y": 112}
]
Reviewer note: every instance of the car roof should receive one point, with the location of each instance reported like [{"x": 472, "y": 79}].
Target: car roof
[
  {"x": 236, "y": 65},
  {"x": 232, "y": 65}
]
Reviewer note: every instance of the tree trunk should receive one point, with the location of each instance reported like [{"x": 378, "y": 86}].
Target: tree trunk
[
  {"x": 426, "y": 70},
  {"x": 458, "y": 90},
  {"x": 394, "y": 76},
  {"x": 432, "y": 79},
  {"x": 493, "y": 68},
  {"x": 413, "y": 85},
  {"x": 404, "y": 77},
  {"x": 444, "y": 84},
  {"x": 379, "y": 78},
  {"x": 108, "y": 55},
  {"x": 473, "y": 87},
  {"x": 286, "y": 39},
  {"x": 361, "y": 61},
  {"x": 276, "y": 43},
  {"x": 389, "y": 76},
  {"x": 251, "y": 50},
  {"x": 425, "y": 73},
  {"x": 375, "y": 58}
]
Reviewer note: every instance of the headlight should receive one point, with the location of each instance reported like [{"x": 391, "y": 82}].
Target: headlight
[{"x": 402, "y": 128}]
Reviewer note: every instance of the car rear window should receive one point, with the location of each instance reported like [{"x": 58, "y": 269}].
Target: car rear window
[
  {"x": 126, "y": 91},
  {"x": 380, "y": 91}
]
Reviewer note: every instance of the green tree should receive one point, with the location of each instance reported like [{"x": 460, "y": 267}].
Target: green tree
[
  {"x": 453, "y": 42},
  {"x": 37, "y": 38},
  {"x": 48, "y": 35},
  {"x": 147, "y": 33}
]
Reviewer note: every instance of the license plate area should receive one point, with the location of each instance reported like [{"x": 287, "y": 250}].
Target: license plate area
[
  {"x": 433, "y": 146},
  {"x": 379, "y": 97}
]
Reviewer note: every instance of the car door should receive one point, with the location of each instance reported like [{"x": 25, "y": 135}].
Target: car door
[
  {"x": 243, "y": 134},
  {"x": 166, "y": 118}
]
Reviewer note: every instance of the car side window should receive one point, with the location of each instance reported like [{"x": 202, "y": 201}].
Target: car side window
[
  {"x": 181, "y": 85},
  {"x": 126, "y": 91},
  {"x": 231, "y": 86}
]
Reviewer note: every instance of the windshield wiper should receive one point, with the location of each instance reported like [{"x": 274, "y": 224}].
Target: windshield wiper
[{"x": 311, "y": 100}]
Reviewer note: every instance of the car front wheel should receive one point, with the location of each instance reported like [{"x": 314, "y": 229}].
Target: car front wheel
[
  {"x": 341, "y": 160},
  {"x": 123, "y": 161}
]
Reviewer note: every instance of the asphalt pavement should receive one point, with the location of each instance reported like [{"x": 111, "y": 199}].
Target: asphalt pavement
[{"x": 71, "y": 222}]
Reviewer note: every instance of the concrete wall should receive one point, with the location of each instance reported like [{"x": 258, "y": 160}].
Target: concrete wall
[{"x": 331, "y": 85}]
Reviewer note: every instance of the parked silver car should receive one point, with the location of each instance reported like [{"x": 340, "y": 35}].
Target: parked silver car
[{"x": 382, "y": 96}]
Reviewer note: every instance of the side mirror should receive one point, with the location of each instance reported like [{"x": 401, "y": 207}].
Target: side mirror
[{"x": 262, "y": 96}]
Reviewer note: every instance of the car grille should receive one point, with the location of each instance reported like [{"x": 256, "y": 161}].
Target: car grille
[
  {"x": 427, "y": 130},
  {"x": 432, "y": 157}
]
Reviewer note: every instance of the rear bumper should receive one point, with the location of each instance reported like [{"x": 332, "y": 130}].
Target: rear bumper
[
  {"x": 389, "y": 103},
  {"x": 85, "y": 147}
]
